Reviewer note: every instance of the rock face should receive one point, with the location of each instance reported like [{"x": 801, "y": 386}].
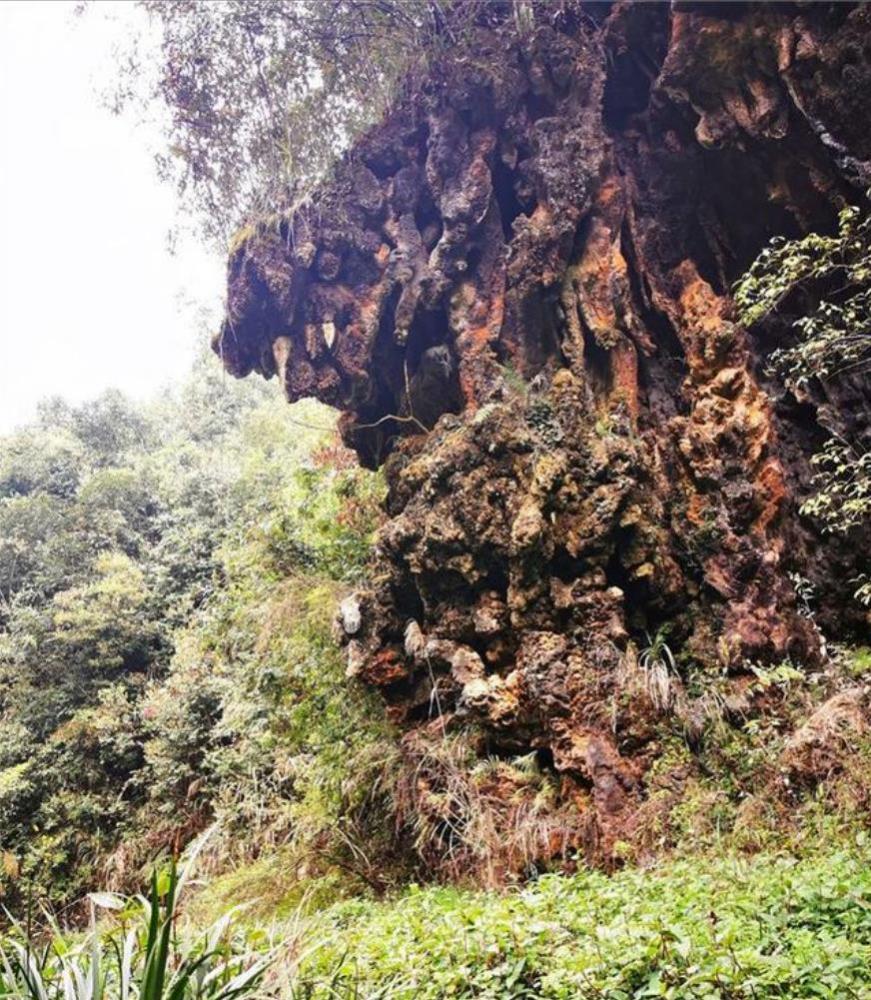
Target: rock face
[{"x": 516, "y": 289}]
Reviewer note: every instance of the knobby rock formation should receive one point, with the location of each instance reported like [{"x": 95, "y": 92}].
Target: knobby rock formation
[{"x": 516, "y": 290}]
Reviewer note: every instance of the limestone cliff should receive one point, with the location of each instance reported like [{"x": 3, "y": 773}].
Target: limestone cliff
[{"x": 516, "y": 290}]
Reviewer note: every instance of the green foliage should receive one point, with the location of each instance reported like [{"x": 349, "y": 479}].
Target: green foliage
[
  {"x": 138, "y": 956},
  {"x": 726, "y": 927},
  {"x": 834, "y": 335},
  {"x": 830, "y": 278},
  {"x": 168, "y": 576},
  {"x": 860, "y": 663},
  {"x": 257, "y": 725},
  {"x": 102, "y": 625},
  {"x": 843, "y": 481},
  {"x": 770, "y": 927}
]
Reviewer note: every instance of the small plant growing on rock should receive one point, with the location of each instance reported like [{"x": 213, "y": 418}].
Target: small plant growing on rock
[
  {"x": 515, "y": 384},
  {"x": 659, "y": 668},
  {"x": 804, "y": 592}
]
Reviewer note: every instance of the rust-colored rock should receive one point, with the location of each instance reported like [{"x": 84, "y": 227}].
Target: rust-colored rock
[{"x": 516, "y": 289}]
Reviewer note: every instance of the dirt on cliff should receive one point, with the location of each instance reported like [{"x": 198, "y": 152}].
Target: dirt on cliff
[{"x": 516, "y": 290}]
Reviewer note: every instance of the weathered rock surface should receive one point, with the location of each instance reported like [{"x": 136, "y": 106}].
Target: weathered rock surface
[{"x": 516, "y": 289}]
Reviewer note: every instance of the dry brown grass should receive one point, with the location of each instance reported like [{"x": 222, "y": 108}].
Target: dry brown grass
[
  {"x": 484, "y": 820},
  {"x": 827, "y": 742}
]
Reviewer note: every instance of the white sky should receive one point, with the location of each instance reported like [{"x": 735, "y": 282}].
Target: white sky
[{"x": 89, "y": 295}]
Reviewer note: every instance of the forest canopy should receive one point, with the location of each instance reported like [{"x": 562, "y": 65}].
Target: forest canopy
[{"x": 165, "y": 569}]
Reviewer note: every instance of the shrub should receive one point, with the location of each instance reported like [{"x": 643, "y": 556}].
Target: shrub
[
  {"x": 139, "y": 956},
  {"x": 829, "y": 278}
]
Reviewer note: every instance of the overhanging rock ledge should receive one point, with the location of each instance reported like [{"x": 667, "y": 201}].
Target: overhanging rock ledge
[{"x": 516, "y": 290}]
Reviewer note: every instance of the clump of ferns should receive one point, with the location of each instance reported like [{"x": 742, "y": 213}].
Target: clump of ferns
[{"x": 516, "y": 386}]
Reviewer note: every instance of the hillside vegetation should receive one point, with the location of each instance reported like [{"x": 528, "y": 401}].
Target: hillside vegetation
[
  {"x": 168, "y": 575},
  {"x": 171, "y": 572},
  {"x": 541, "y": 671}
]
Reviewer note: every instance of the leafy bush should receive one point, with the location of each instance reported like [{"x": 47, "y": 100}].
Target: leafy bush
[
  {"x": 828, "y": 278},
  {"x": 724, "y": 927},
  {"x": 727, "y": 928}
]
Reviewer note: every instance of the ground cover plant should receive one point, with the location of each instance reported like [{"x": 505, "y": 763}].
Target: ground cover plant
[{"x": 727, "y": 927}]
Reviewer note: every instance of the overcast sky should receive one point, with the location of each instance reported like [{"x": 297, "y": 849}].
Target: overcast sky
[{"x": 91, "y": 297}]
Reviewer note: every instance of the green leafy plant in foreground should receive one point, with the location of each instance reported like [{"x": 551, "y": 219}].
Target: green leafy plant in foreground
[
  {"x": 141, "y": 956},
  {"x": 725, "y": 928}
]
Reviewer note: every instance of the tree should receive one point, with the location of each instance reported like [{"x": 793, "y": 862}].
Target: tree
[
  {"x": 154, "y": 671},
  {"x": 829, "y": 279},
  {"x": 263, "y": 95},
  {"x": 103, "y": 625}
]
